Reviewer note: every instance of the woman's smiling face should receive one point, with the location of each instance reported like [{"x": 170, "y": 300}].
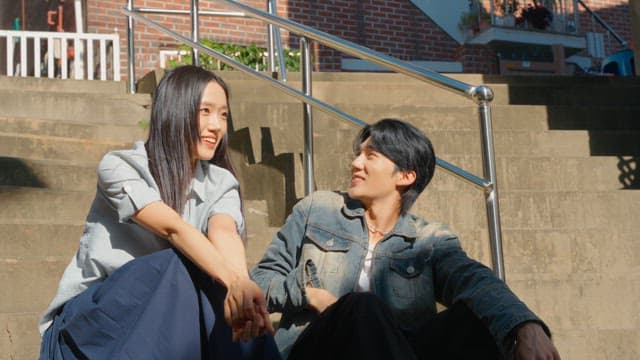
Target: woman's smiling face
[{"x": 212, "y": 120}]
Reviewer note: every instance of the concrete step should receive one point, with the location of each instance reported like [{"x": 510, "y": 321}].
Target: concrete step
[
  {"x": 561, "y": 143},
  {"x": 473, "y": 79},
  {"x": 392, "y": 92},
  {"x": 279, "y": 127},
  {"x": 539, "y": 173},
  {"x": 22, "y": 204},
  {"x": 42, "y": 278},
  {"x": 557, "y": 254},
  {"x": 59, "y": 85},
  {"x": 504, "y": 117},
  {"x": 20, "y": 339},
  {"x": 33, "y": 240},
  {"x": 514, "y": 173},
  {"x": 50, "y": 174},
  {"x": 55, "y": 238},
  {"x": 45, "y": 147},
  {"x": 120, "y": 109},
  {"x": 259, "y": 232},
  {"x": 567, "y": 210},
  {"x": 73, "y": 129},
  {"x": 520, "y": 209}
]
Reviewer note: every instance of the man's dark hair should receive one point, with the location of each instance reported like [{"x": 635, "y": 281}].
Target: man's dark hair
[{"x": 409, "y": 149}]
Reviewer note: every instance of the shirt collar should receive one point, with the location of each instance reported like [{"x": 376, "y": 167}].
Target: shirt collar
[
  {"x": 198, "y": 183},
  {"x": 405, "y": 226}
]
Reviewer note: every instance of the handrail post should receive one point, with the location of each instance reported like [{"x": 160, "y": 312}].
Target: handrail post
[
  {"x": 195, "y": 36},
  {"x": 576, "y": 16},
  {"x": 274, "y": 42},
  {"x": 483, "y": 96},
  {"x": 271, "y": 42},
  {"x": 131, "y": 50},
  {"x": 305, "y": 67}
]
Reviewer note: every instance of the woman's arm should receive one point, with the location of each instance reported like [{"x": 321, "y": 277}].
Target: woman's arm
[
  {"x": 224, "y": 237},
  {"x": 243, "y": 296}
]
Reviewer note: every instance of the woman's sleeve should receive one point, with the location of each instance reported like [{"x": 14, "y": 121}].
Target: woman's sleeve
[
  {"x": 226, "y": 202},
  {"x": 126, "y": 184}
]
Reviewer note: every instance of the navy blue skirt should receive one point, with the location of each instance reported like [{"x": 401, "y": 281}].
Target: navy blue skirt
[{"x": 158, "y": 306}]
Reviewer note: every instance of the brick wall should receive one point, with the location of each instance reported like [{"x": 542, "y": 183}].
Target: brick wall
[{"x": 394, "y": 27}]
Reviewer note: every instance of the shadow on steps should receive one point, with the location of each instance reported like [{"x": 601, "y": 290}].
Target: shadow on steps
[{"x": 15, "y": 172}]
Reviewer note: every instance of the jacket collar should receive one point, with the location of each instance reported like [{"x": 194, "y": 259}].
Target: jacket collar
[{"x": 405, "y": 226}]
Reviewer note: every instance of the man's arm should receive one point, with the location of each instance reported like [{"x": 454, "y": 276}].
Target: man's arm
[
  {"x": 460, "y": 278},
  {"x": 278, "y": 272}
]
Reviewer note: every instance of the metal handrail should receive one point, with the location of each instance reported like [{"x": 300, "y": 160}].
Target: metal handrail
[
  {"x": 604, "y": 24},
  {"x": 482, "y": 95}
]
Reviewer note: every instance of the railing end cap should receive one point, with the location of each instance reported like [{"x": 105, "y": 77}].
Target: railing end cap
[{"x": 481, "y": 93}]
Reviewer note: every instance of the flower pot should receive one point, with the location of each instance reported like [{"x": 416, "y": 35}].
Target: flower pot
[{"x": 509, "y": 20}]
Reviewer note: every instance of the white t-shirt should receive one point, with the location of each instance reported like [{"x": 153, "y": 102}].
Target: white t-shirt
[
  {"x": 364, "y": 281},
  {"x": 110, "y": 238}
]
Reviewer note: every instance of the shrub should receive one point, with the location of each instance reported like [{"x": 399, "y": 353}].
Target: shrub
[{"x": 249, "y": 55}]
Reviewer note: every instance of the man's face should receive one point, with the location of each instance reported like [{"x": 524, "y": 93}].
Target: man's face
[{"x": 373, "y": 176}]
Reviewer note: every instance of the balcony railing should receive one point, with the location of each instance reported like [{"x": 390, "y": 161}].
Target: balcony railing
[{"x": 61, "y": 55}]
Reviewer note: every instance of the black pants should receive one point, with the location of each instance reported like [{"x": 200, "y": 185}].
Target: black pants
[{"x": 361, "y": 326}]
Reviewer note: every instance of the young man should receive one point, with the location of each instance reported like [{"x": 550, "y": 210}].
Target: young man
[{"x": 356, "y": 276}]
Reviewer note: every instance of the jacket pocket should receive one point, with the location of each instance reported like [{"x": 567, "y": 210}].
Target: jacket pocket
[
  {"x": 405, "y": 279},
  {"x": 327, "y": 241},
  {"x": 329, "y": 253}
]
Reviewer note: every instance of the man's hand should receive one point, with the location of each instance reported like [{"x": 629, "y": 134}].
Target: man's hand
[
  {"x": 319, "y": 299},
  {"x": 532, "y": 343}
]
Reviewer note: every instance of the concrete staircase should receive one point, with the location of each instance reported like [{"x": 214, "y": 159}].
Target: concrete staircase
[{"x": 565, "y": 149}]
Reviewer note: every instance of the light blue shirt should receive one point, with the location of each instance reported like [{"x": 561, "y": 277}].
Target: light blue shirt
[{"x": 110, "y": 239}]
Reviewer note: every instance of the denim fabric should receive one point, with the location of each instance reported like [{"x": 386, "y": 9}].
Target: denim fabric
[{"x": 415, "y": 265}]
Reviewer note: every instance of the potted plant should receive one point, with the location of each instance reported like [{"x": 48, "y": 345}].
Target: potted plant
[
  {"x": 535, "y": 15},
  {"x": 506, "y": 10}
]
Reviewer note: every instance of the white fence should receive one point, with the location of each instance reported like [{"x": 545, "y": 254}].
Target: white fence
[{"x": 61, "y": 55}]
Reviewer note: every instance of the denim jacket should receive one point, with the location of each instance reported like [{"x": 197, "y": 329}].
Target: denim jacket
[{"x": 324, "y": 242}]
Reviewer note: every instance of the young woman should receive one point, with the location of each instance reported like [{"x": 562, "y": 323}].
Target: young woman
[{"x": 160, "y": 271}]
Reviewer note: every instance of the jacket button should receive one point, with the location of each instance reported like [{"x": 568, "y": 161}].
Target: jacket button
[
  {"x": 411, "y": 269},
  {"x": 330, "y": 242}
]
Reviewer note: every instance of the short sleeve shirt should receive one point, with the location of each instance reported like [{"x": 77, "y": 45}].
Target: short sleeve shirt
[{"x": 110, "y": 239}]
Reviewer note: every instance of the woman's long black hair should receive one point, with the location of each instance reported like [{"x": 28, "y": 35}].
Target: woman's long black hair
[{"x": 174, "y": 132}]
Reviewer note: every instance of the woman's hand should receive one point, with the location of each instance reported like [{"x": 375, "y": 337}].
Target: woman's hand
[
  {"x": 245, "y": 309},
  {"x": 319, "y": 299}
]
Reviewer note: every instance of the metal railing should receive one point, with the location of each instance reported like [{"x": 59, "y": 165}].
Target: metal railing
[
  {"x": 565, "y": 14},
  {"x": 273, "y": 34},
  {"x": 60, "y": 54},
  {"x": 481, "y": 95},
  {"x": 599, "y": 20}
]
